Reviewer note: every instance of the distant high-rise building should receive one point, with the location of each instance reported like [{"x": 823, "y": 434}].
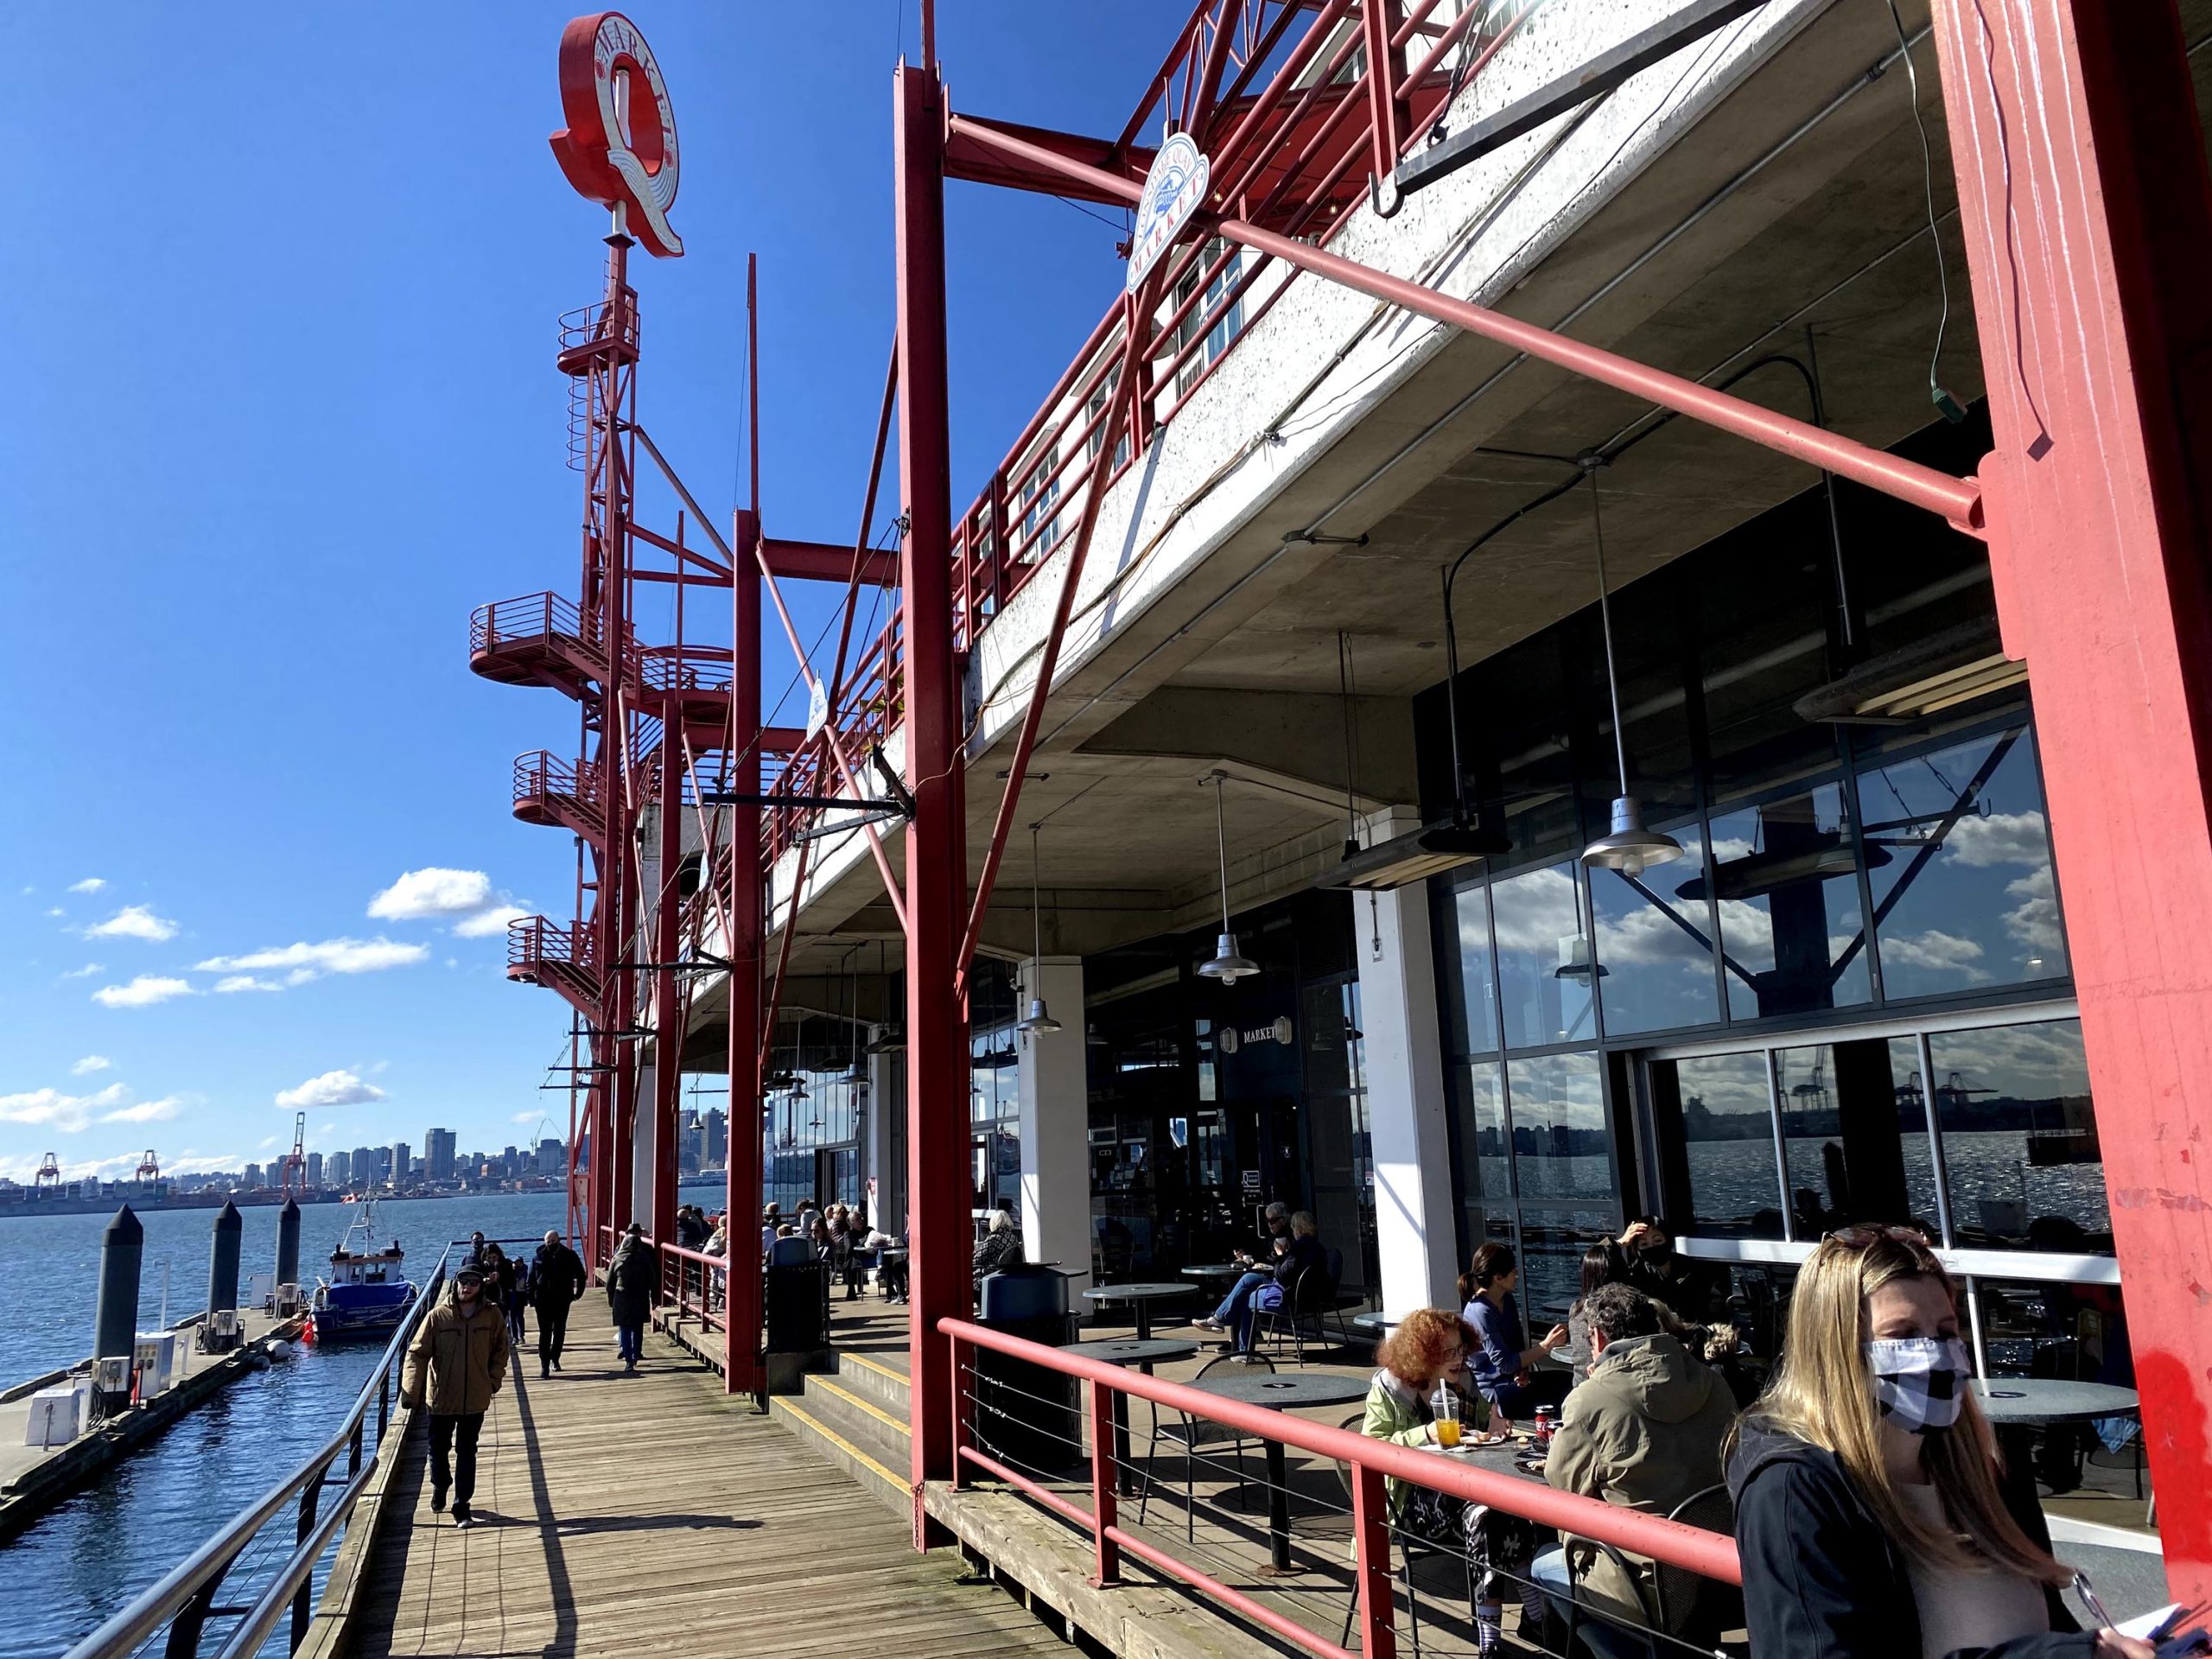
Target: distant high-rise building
[
  {"x": 437, "y": 1155},
  {"x": 403, "y": 1156},
  {"x": 510, "y": 1164},
  {"x": 552, "y": 1157},
  {"x": 714, "y": 1153},
  {"x": 252, "y": 1176},
  {"x": 366, "y": 1170},
  {"x": 689, "y": 1133},
  {"x": 314, "y": 1169},
  {"x": 338, "y": 1168}
]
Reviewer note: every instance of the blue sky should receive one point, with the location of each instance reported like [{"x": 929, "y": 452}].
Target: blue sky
[{"x": 283, "y": 410}]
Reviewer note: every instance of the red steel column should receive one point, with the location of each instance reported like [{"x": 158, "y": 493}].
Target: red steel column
[
  {"x": 668, "y": 1000},
  {"x": 2086, "y": 215},
  {"x": 937, "y": 858},
  {"x": 742, "y": 1330}
]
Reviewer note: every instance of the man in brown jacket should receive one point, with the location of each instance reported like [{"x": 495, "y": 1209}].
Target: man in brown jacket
[{"x": 454, "y": 1366}]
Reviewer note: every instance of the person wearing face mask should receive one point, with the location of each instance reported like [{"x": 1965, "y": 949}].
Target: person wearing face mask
[
  {"x": 454, "y": 1366},
  {"x": 1650, "y": 1262},
  {"x": 1874, "y": 1516}
]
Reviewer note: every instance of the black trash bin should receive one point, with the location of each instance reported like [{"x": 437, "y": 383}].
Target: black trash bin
[
  {"x": 797, "y": 1298},
  {"x": 1025, "y": 1415}
]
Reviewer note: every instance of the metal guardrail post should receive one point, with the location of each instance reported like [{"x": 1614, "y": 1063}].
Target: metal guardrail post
[
  {"x": 303, "y": 1598},
  {"x": 1370, "y": 1531},
  {"x": 1104, "y": 1479},
  {"x": 960, "y": 1435}
]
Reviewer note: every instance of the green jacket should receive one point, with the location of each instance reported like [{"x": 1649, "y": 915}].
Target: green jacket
[
  {"x": 1395, "y": 1414},
  {"x": 1645, "y": 1432}
]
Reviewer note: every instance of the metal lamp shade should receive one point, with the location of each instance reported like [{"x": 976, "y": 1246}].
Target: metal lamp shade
[
  {"x": 1631, "y": 848},
  {"x": 1039, "y": 1021},
  {"x": 889, "y": 1041},
  {"x": 1229, "y": 965}
]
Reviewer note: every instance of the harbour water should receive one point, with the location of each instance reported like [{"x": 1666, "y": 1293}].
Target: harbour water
[{"x": 78, "y": 1563}]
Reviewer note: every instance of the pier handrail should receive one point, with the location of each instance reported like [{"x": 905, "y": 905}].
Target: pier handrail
[
  {"x": 184, "y": 1597},
  {"x": 1369, "y": 1463}
]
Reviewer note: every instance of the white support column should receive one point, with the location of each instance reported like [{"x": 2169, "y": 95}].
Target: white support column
[
  {"x": 1414, "y": 1216},
  {"x": 883, "y": 1171},
  {"x": 1056, "y": 1122}
]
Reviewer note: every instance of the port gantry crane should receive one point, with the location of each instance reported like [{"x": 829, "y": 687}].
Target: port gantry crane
[{"x": 672, "y": 763}]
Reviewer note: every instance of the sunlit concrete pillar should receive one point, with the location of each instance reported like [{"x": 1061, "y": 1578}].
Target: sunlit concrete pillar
[
  {"x": 642, "y": 1147},
  {"x": 1403, "y": 1056},
  {"x": 884, "y": 1139},
  {"x": 1056, "y": 1121}
]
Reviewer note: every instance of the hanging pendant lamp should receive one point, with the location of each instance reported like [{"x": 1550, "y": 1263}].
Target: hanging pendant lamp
[
  {"x": 1631, "y": 848},
  {"x": 1040, "y": 1022},
  {"x": 889, "y": 1038},
  {"x": 798, "y": 1064},
  {"x": 1228, "y": 964},
  {"x": 854, "y": 1072}
]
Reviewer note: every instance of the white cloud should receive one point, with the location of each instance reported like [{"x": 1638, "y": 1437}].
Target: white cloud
[
  {"x": 267, "y": 1142},
  {"x": 90, "y": 884},
  {"x": 2000, "y": 838},
  {"x": 464, "y": 897},
  {"x": 307, "y": 961},
  {"x": 142, "y": 992},
  {"x": 146, "y": 1111},
  {"x": 432, "y": 892},
  {"x": 487, "y": 922},
  {"x": 339, "y": 1088},
  {"x": 231, "y": 982},
  {"x": 526, "y": 1117},
  {"x": 326, "y": 1128},
  {"x": 134, "y": 922},
  {"x": 50, "y": 1109},
  {"x": 87, "y": 971},
  {"x": 1936, "y": 952},
  {"x": 56, "y": 910},
  {"x": 2034, "y": 921},
  {"x": 90, "y": 1063}
]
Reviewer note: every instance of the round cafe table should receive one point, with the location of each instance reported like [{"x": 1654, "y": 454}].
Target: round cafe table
[
  {"x": 1143, "y": 1353},
  {"x": 1377, "y": 1325},
  {"x": 1139, "y": 1297},
  {"x": 1282, "y": 1391},
  {"x": 1207, "y": 1272},
  {"x": 2028, "y": 1401}
]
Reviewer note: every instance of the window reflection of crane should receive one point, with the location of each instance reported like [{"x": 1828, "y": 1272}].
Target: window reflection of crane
[
  {"x": 1953, "y": 1092},
  {"x": 1812, "y": 1095}
]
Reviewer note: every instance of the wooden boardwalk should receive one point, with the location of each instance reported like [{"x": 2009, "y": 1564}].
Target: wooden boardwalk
[{"x": 629, "y": 1515}]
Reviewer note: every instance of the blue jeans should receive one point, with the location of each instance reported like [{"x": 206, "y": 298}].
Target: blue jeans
[
  {"x": 1605, "y": 1641},
  {"x": 633, "y": 1343},
  {"x": 1231, "y": 1312}
]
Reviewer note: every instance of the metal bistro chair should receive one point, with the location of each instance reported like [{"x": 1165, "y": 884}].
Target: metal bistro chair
[
  {"x": 1674, "y": 1598},
  {"x": 1191, "y": 1433},
  {"x": 1409, "y": 1548},
  {"x": 1309, "y": 1305}
]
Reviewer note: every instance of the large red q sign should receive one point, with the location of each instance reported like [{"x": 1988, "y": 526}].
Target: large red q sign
[{"x": 619, "y": 148}]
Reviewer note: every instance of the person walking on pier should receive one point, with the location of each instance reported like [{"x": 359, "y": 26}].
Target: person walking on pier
[
  {"x": 455, "y": 1367},
  {"x": 557, "y": 1279},
  {"x": 632, "y": 1279}
]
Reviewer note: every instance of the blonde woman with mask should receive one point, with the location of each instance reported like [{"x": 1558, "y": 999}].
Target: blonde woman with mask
[{"x": 1874, "y": 1516}]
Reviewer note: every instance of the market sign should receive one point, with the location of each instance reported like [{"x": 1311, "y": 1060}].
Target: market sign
[
  {"x": 1174, "y": 189},
  {"x": 618, "y": 148}
]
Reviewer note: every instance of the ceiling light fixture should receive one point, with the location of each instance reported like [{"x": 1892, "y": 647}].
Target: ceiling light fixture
[
  {"x": 1040, "y": 1022},
  {"x": 1227, "y": 964}
]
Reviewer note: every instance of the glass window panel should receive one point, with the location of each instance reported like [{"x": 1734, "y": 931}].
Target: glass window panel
[
  {"x": 1789, "y": 911},
  {"x": 2019, "y": 1138},
  {"x": 1552, "y": 1242},
  {"x": 1540, "y": 932},
  {"x": 1561, "y": 1147},
  {"x": 1728, "y": 1134},
  {"x": 1474, "y": 1010},
  {"x": 1655, "y": 950},
  {"x": 1486, "y": 1200},
  {"x": 1962, "y": 871},
  {"x": 1855, "y": 1135}
]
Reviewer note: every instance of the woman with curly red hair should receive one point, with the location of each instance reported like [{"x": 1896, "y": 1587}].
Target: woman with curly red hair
[{"x": 1431, "y": 1346}]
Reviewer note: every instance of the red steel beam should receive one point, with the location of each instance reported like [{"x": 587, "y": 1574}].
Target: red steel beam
[
  {"x": 1957, "y": 500},
  {"x": 1121, "y": 392},
  {"x": 2086, "y": 212},
  {"x": 744, "y": 927},
  {"x": 828, "y": 561},
  {"x": 978, "y": 163},
  {"x": 867, "y": 523},
  {"x": 937, "y": 858}
]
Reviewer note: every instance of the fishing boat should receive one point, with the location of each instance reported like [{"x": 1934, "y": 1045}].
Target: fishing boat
[{"x": 367, "y": 1290}]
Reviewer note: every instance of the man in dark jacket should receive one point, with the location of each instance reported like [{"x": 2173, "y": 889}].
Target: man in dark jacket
[
  {"x": 557, "y": 1279},
  {"x": 1822, "y": 1579},
  {"x": 633, "y": 1278},
  {"x": 1645, "y": 1432}
]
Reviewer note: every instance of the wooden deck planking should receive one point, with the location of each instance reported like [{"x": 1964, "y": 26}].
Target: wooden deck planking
[{"x": 621, "y": 1514}]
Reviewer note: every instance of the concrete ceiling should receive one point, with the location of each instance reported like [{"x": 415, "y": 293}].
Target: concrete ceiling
[{"x": 1704, "y": 263}]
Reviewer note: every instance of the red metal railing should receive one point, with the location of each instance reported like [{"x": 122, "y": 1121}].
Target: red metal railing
[
  {"x": 541, "y": 775},
  {"x": 534, "y": 941},
  {"x": 695, "y": 1285},
  {"x": 533, "y": 617},
  {"x": 1370, "y": 1462}
]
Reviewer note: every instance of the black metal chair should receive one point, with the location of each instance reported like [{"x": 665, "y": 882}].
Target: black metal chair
[
  {"x": 1191, "y": 1433},
  {"x": 1309, "y": 1305},
  {"x": 1674, "y": 1598},
  {"x": 1409, "y": 1548}
]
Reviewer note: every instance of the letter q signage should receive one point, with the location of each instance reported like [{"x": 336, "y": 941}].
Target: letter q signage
[{"x": 619, "y": 148}]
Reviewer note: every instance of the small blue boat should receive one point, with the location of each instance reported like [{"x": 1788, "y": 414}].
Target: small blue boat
[{"x": 367, "y": 1291}]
